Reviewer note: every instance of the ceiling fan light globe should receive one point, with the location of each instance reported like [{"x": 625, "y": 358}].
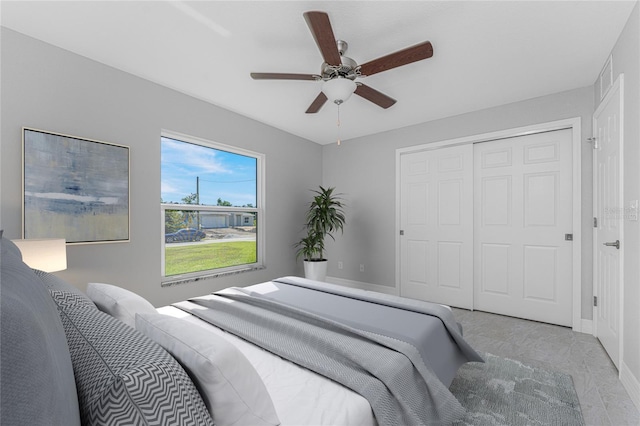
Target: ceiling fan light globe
[{"x": 338, "y": 90}]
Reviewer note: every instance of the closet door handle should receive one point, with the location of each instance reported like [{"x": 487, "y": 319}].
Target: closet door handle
[{"x": 616, "y": 244}]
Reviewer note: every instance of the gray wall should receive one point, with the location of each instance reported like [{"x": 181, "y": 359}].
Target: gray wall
[
  {"x": 364, "y": 169},
  {"x": 48, "y": 88},
  {"x": 626, "y": 60}
]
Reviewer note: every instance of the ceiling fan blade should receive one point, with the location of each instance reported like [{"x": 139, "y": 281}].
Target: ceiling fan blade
[
  {"x": 316, "y": 104},
  {"x": 320, "y": 27},
  {"x": 397, "y": 59},
  {"x": 374, "y": 96},
  {"x": 283, "y": 76}
]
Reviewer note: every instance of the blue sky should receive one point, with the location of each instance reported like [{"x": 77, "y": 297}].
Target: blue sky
[{"x": 224, "y": 175}]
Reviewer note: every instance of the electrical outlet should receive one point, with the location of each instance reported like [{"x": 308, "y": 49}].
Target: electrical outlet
[
  {"x": 362, "y": 267},
  {"x": 340, "y": 265},
  {"x": 633, "y": 211}
]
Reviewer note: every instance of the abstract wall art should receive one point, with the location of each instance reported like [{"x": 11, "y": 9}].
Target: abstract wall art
[{"x": 74, "y": 188}]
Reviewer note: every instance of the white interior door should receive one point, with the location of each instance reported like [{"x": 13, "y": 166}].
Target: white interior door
[
  {"x": 523, "y": 211},
  {"x": 608, "y": 203},
  {"x": 436, "y": 222}
]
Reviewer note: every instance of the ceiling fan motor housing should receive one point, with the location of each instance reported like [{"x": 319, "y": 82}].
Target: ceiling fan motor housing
[{"x": 346, "y": 69}]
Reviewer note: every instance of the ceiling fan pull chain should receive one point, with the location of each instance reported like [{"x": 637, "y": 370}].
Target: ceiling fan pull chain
[{"x": 338, "y": 123}]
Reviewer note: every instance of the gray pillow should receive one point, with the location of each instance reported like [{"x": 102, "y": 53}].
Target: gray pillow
[
  {"x": 10, "y": 247},
  {"x": 37, "y": 385},
  {"x": 124, "y": 378}
]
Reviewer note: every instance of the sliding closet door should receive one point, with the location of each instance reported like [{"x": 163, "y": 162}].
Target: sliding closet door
[
  {"x": 436, "y": 221},
  {"x": 523, "y": 211}
]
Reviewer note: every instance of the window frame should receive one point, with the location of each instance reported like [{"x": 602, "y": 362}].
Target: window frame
[{"x": 259, "y": 210}]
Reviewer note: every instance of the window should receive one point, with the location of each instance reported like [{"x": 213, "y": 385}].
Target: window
[{"x": 212, "y": 208}]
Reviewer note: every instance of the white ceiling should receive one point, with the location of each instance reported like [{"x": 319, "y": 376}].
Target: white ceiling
[{"x": 486, "y": 53}]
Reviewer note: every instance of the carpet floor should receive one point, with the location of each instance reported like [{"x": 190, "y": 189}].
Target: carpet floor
[{"x": 503, "y": 391}]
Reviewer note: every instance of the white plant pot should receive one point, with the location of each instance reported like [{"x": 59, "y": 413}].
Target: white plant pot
[{"x": 316, "y": 271}]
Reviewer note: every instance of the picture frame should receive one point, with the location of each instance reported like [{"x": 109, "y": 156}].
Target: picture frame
[{"x": 74, "y": 188}]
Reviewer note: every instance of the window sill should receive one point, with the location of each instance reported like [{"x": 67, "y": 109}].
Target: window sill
[{"x": 170, "y": 282}]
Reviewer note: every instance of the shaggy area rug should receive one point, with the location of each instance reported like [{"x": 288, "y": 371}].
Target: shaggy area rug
[{"x": 503, "y": 391}]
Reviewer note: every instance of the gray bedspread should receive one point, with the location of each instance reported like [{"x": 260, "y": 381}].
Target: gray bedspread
[
  {"x": 390, "y": 373},
  {"x": 430, "y": 327}
]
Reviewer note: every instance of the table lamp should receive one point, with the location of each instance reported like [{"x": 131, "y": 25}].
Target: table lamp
[{"x": 48, "y": 254}]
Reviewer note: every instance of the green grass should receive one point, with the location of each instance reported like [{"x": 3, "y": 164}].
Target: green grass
[{"x": 203, "y": 257}]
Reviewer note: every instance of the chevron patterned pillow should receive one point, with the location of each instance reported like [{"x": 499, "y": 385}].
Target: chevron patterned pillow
[
  {"x": 53, "y": 282},
  {"x": 122, "y": 377}
]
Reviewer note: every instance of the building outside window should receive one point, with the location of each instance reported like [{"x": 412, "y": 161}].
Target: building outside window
[{"x": 212, "y": 201}]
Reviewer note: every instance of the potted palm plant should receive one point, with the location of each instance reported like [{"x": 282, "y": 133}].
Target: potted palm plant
[{"x": 325, "y": 216}]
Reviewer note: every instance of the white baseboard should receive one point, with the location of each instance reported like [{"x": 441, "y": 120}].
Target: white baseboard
[
  {"x": 363, "y": 286},
  {"x": 630, "y": 383},
  {"x": 586, "y": 326}
]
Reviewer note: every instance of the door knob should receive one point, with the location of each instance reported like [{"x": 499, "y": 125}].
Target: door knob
[{"x": 616, "y": 244}]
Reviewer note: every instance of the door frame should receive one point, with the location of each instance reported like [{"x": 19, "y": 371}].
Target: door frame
[
  {"x": 571, "y": 123},
  {"x": 618, "y": 85}
]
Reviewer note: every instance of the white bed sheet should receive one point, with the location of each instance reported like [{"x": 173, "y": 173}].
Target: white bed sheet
[{"x": 300, "y": 396}]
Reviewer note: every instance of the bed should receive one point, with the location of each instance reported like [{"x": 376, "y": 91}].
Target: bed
[{"x": 217, "y": 376}]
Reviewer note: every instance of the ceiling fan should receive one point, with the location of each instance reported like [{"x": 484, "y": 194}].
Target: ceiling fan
[{"x": 339, "y": 72}]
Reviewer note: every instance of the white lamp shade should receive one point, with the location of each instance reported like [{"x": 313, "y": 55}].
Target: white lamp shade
[
  {"x": 338, "y": 89},
  {"x": 48, "y": 255}
]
